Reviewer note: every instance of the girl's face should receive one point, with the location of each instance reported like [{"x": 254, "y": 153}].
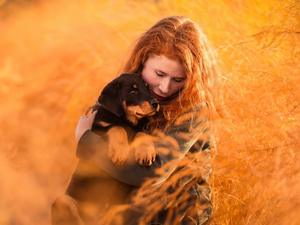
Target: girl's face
[{"x": 164, "y": 76}]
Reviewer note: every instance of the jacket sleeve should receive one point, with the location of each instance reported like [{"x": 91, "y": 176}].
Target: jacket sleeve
[{"x": 190, "y": 132}]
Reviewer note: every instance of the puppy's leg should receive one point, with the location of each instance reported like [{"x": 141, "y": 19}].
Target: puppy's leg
[
  {"x": 118, "y": 149},
  {"x": 144, "y": 149},
  {"x": 64, "y": 211}
]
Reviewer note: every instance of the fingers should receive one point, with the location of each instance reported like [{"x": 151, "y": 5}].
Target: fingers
[
  {"x": 85, "y": 123},
  {"x": 92, "y": 116}
]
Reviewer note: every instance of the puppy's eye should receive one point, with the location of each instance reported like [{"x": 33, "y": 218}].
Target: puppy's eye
[{"x": 134, "y": 92}]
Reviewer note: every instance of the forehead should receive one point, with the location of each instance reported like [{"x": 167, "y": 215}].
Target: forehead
[{"x": 170, "y": 67}]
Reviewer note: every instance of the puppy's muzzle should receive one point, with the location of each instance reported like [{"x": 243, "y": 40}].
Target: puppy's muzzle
[{"x": 154, "y": 104}]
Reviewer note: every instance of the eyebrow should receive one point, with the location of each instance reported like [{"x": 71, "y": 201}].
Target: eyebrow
[{"x": 162, "y": 72}]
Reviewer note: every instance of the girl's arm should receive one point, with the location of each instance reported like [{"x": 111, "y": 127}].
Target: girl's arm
[{"x": 191, "y": 132}]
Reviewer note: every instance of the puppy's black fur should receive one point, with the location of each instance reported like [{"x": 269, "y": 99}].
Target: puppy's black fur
[{"x": 124, "y": 105}]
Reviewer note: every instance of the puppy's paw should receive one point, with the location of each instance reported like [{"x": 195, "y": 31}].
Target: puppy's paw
[
  {"x": 118, "y": 152},
  {"x": 144, "y": 149},
  {"x": 118, "y": 148},
  {"x": 145, "y": 154}
]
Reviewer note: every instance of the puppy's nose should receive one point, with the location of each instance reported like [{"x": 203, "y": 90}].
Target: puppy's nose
[{"x": 154, "y": 103}]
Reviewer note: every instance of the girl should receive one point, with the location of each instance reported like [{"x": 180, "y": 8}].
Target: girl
[{"x": 176, "y": 60}]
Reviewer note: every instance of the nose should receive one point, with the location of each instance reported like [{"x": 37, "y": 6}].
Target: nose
[
  {"x": 154, "y": 103},
  {"x": 164, "y": 86}
]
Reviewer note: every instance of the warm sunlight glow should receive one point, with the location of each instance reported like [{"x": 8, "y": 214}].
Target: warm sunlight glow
[{"x": 56, "y": 56}]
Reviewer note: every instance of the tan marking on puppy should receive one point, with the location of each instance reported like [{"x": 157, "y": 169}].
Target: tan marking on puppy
[
  {"x": 131, "y": 113},
  {"x": 134, "y": 86},
  {"x": 103, "y": 124},
  {"x": 118, "y": 148},
  {"x": 148, "y": 109},
  {"x": 157, "y": 109},
  {"x": 134, "y": 113}
]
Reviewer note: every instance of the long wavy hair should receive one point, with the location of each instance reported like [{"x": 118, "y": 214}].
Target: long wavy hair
[{"x": 179, "y": 38}]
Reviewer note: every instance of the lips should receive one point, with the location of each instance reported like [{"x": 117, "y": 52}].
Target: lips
[{"x": 159, "y": 98}]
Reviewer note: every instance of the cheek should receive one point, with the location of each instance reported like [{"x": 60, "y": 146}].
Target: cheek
[
  {"x": 148, "y": 78},
  {"x": 175, "y": 88}
]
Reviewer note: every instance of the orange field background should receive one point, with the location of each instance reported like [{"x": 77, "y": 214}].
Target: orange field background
[{"x": 56, "y": 56}]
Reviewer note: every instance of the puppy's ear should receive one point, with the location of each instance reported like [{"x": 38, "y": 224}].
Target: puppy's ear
[{"x": 110, "y": 97}]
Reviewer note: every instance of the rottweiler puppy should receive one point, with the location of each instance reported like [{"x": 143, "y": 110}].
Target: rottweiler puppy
[
  {"x": 123, "y": 108},
  {"x": 126, "y": 102}
]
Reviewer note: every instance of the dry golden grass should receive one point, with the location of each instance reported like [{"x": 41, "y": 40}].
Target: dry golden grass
[{"x": 56, "y": 57}]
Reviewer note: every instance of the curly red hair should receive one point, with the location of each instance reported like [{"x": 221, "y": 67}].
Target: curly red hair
[{"x": 179, "y": 38}]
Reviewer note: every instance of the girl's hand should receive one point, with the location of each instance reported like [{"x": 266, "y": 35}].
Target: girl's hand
[{"x": 85, "y": 123}]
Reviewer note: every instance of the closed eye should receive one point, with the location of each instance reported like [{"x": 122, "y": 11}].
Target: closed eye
[
  {"x": 158, "y": 74},
  {"x": 178, "y": 80}
]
